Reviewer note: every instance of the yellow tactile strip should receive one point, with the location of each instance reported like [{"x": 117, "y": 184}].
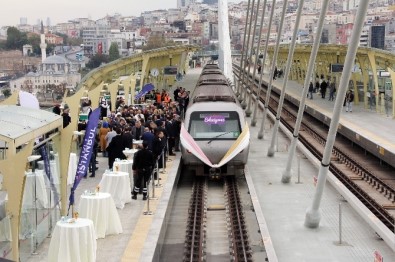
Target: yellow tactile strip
[{"x": 136, "y": 242}]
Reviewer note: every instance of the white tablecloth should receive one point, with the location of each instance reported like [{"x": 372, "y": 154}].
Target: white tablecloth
[
  {"x": 129, "y": 153},
  {"x": 72, "y": 168},
  {"x": 55, "y": 171},
  {"x": 125, "y": 166},
  {"x": 5, "y": 229},
  {"x": 55, "y": 168},
  {"x": 100, "y": 208},
  {"x": 74, "y": 242},
  {"x": 41, "y": 192},
  {"x": 118, "y": 185},
  {"x": 137, "y": 143}
]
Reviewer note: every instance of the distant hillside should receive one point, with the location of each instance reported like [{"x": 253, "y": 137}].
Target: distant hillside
[{"x": 12, "y": 62}]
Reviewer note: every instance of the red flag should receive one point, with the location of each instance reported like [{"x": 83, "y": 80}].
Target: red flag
[{"x": 100, "y": 48}]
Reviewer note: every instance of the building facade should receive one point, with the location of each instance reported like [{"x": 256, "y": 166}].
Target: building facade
[{"x": 56, "y": 73}]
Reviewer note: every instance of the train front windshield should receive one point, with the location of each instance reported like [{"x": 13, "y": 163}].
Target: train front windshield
[{"x": 214, "y": 125}]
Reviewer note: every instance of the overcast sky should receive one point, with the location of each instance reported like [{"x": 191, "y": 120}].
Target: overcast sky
[{"x": 64, "y": 10}]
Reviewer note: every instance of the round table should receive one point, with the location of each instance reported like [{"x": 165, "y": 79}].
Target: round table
[
  {"x": 54, "y": 166},
  {"x": 35, "y": 181},
  {"x": 129, "y": 153},
  {"x": 118, "y": 185},
  {"x": 100, "y": 208},
  {"x": 125, "y": 166},
  {"x": 74, "y": 242},
  {"x": 137, "y": 143}
]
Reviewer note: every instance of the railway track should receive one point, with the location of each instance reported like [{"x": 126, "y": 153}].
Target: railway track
[
  {"x": 362, "y": 173},
  {"x": 230, "y": 244}
]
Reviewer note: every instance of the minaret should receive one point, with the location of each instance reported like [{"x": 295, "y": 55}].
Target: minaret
[{"x": 43, "y": 45}]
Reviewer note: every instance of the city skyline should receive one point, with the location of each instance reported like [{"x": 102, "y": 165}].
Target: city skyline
[{"x": 71, "y": 9}]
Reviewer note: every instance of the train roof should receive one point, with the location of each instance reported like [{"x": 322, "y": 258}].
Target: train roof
[
  {"x": 213, "y": 93},
  {"x": 212, "y": 71},
  {"x": 211, "y": 66},
  {"x": 218, "y": 79}
]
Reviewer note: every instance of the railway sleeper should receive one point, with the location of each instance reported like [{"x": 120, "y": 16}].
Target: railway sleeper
[
  {"x": 240, "y": 248},
  {"x": 242, "y": 240},
  {"x": 238, "y": 217},
  {"x": 239, "y": 227},
  {"x": 391, "y": 197},
  {"x": 192, "y": 238},
  {"x": 389, "y": 207},
  {"x": 241, "y": 256}
]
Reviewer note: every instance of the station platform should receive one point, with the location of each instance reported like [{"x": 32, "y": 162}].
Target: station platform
[
  {"x": 281, "y": 210},
  {"x": 366, "y": 127},
  {"x": 280, "y": 207}
]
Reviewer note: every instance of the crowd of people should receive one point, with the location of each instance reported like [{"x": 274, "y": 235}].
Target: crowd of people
[
  {"x": 322, "y": 85},
  {"x": 157, "y": 123}
]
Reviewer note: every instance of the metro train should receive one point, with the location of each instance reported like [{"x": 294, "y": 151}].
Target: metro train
[{"x": 215, "y": 135}]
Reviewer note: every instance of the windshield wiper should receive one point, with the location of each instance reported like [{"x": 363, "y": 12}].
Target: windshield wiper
[{"x": 219, "y": 136}]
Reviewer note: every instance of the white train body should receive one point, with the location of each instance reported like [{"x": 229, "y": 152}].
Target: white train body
[{"x": 215, "y": 120}]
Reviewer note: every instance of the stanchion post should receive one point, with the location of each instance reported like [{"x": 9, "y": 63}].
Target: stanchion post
[
  {"x": 163, "y": 164},
  {"x": 153, "y": 181},
  {"x": 148, "y": 212},
  {"x": 153, "y": 185},
  {"x": 158, "y": 184}
]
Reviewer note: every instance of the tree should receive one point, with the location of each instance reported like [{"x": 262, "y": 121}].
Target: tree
[
  {"x": 113, "y": 52},
  {"x": 7, "y": 92},
  {"x": 15, "y": 38},
  {"x": 71, "y": 41},
  {"x": 64, "y": 36},
  {"x": 35, "y": 41},
  {"x": 50, "y": 49},
  {"x": 74, "y": 41},
  {"x": 156, "y": 41},
  {"x": 2, "y": 45},
  {"x": 97, "y": 60}
]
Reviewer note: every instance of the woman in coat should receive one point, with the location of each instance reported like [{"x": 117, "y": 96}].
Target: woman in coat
[{"x": 104, "y": 129}]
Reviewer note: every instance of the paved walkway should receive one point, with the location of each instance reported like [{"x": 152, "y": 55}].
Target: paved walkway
[{"x": 284, "y": 208}]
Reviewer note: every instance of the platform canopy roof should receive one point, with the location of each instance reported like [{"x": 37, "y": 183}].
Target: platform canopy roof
[{"x": 19, "y": 125}]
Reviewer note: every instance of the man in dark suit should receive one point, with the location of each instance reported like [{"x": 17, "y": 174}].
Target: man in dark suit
[
  {"x": 148, "y": 137},
  {"x": 137, "y": 130},
  {"x": 143, "y": 163},
  {"x": 115, "y": 148},
  {"x": 128, "y": 137}
]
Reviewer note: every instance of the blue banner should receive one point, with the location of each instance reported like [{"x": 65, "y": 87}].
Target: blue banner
[
  {"x": 146, "y": 88},
  {"x": 47, "y": 167},
  {"x": 86, "y": 151}
]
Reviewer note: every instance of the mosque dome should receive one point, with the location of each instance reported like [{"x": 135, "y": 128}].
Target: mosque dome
[{"x": 55, "y": 59}]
